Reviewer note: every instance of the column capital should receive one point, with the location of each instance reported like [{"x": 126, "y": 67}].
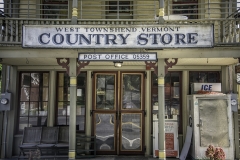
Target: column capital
[{"x": 74, "y": 12}]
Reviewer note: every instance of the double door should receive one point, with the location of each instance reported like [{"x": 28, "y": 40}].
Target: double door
[{"x": 118, "y": 112}]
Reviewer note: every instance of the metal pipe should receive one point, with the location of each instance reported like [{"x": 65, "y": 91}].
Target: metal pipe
[
  {"x": 161, "y": 110},
  {"x": 5, "y": 115}
]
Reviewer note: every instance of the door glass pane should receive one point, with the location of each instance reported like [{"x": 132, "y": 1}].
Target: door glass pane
[
  {"x": 214, "y": 119},
  {"x": 131, "y": 89},
  {"x": 131, "y": 132},
  {"x": 105, "y": 131},
  {"x": 105, "y": 91}
]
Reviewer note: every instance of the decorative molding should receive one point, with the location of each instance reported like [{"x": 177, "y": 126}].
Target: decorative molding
[
  {"x": 74, "y": 12},
  {"x": 161, "y": 12},
  {"x": 81, "y": 64},
  {"x": 153, "y": 65},
  {"x": 61, "y": 62},
  {"x": 170, "y": 64}
]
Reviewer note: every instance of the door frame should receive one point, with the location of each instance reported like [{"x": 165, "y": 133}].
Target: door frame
[{"x": 118, "y": 111}]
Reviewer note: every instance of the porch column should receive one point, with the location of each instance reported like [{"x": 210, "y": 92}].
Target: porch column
[
  {"x": 73, "y": 100},
  {"x": 161, "y": 12},
  {"x": 161, "y": 110},
  {"x": 88, "y": 103},
  {"x": 225, "y": 79},
  {"x": 73, "y": 92},
  {"x": 185, "y": 89},
  {"x": 51, "y": 102},
  {"x": 148, "y": 121},
  {"x": 74, "y": 11}
]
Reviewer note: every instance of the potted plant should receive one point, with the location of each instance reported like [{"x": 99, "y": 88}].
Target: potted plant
[{"x": 215, "y": 153}]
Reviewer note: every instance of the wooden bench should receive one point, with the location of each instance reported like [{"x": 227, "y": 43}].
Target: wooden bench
[
  {"x": 49, "y": 138},
  {"x": 62, "y": 145},
  {"x": 51, "y": 142},
  {"x": 31, "y": 138}
]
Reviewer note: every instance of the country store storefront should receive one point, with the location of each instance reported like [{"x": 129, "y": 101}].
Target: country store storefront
[
  {"x": 113, "y": 103},
  {"x": 127, "y": 83}
]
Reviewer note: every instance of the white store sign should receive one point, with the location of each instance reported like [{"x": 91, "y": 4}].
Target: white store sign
[
  {"x": 117, "y": 56},
  {"x": 216, "y": 87},
  {"x": 131, "y": 36}
]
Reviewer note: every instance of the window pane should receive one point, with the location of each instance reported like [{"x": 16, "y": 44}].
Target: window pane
[
  {"x": 24, "y": 93},
  {"x": 45, "y": 94},
  {"x": 81, "y": 122},
  {"x": 24, "y": 108},
  {"x": 33, "y": 121},
  {"x": 55, "y": 9},
  {"x": 213, "y": 77},
  {"x": 33, "y": 111},
  {"x": 203, "y": 77},
  {"x": 60, "y": 79},
  {"x": 131, "y": 91},
  {"x": 60, "y": 94},
  {"x": 35, "y": 79},
  {"x": 43, "y": 120},
  {"x": 45, "y": 79},
  {"x": 43, "y": 109},
  {"x": 62, "y": 108},
  {"x": 187, "y": 8},
  {"x": 105, "y": 91},
  {"x": 62, "y": 120},
  {"x": 34, "y": 96},
  {"x": 23, "y": 122},
  {"x": 26, "y": 79},
  {"x": 193, "y": 77}
]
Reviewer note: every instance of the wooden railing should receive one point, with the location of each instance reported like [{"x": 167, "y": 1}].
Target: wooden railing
[{"x": 226, "y": 31}]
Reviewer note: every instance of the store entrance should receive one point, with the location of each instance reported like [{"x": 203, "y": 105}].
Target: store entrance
[{"x": 118, "y": 112}]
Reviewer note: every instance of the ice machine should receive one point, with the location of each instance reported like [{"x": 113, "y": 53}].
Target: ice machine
[{"x": 210, "y": 117}]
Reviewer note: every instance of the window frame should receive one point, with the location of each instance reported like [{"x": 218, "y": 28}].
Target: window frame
[
  {"x": 40, "y": 100},
  {"x": 185, "y": 4},
  {"x": 64, "y": 101},
  {"x": 168, "y": 89},
  {"x": 218, "y": 80},
  {"x": 54, "y": 11},
  {"x": 118, "y": 12}
]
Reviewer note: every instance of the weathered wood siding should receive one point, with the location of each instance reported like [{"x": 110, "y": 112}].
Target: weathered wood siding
[
  {"x": 91, "y": 9},
  {"x": 146, "y": 9}
]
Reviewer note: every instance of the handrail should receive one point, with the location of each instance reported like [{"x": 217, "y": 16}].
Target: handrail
[
  {"x": 226, "y": 30},
  {"x": 234, "y": 13}
]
